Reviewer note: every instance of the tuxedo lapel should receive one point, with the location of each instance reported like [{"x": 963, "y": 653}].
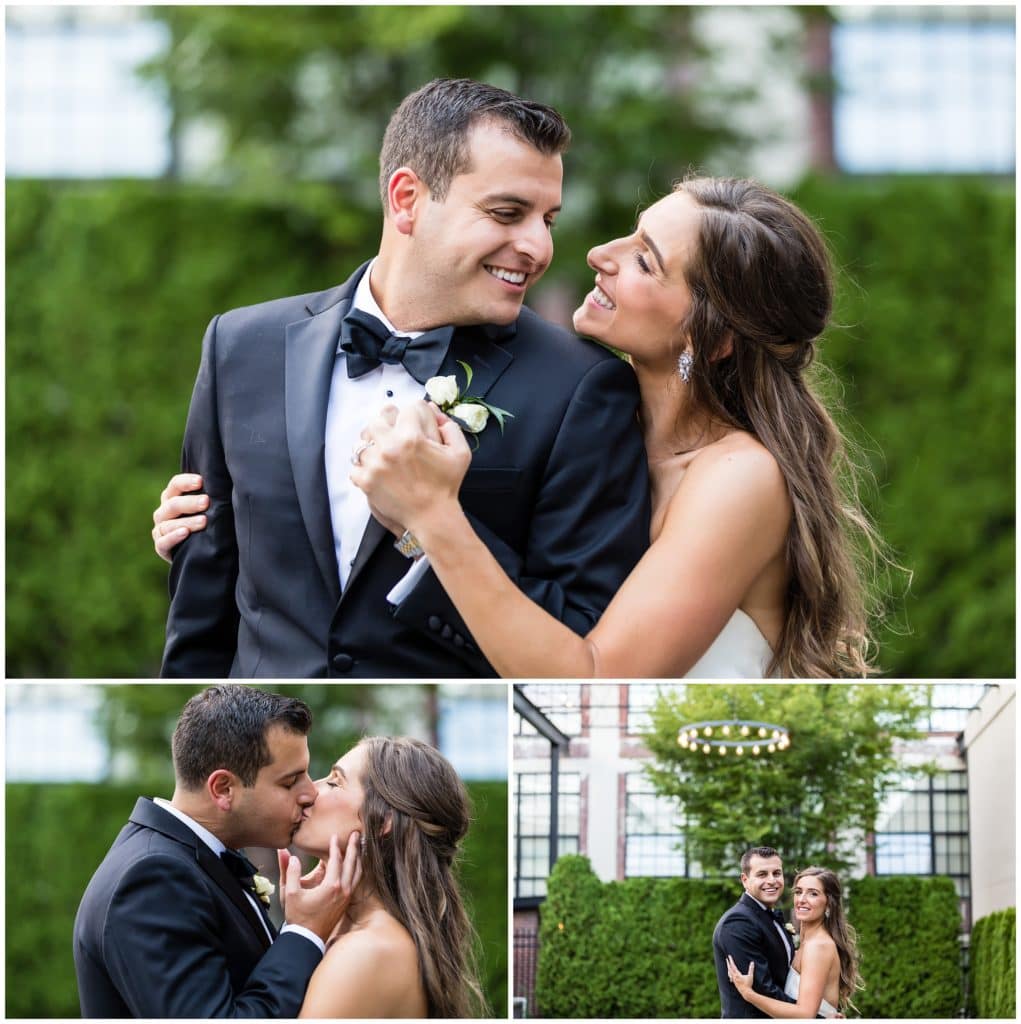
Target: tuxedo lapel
[
  {"x": 232, "y": 889},
  {"x": 479, "y": 348},
  {"x": 767, "y": 925},
  {"x": 311, "y": 351},
  {"x": 150, "y": 815}
]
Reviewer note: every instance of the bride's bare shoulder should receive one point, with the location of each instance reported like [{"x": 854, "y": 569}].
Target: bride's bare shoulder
[
  {"x": 738, "y": 468},
  {"x": 368, "y": 971}
]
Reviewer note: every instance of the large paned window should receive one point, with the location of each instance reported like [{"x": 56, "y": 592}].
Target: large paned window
[
  {"x": 532, "y": 827},
  {"x": 923, "y": 94},
  {"x": 654, "y": 840},
  {"x": 922, "y": 829}
]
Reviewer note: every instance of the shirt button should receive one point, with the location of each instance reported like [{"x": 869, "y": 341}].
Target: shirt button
[
  {"x": 389, "y": 393},
  {"x": 343, "y": 662}
]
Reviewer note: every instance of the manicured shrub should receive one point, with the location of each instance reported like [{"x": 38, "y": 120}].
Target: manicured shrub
[
  {"x": 643, "y": 947},
  {"x": 637, "y": 948},
  {"x": 925, "y": 355},
  {"x": 909, "y": 937},
  {"x": 58, "y": 834},
  {"x": 991, "y": 991}
]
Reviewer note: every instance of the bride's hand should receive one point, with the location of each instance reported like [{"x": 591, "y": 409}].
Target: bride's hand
[
  {"x": 742, "y": 982},
  {"x": 411, "y": 465},
  {"x": 313, "y": 878}
]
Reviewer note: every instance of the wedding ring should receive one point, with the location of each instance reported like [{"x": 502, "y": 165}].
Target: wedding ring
[{"x": 356, "y": 458}]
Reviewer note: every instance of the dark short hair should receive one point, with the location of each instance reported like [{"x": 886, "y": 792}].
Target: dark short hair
[
  {"x": 756, "y": 851},
  {"x": 225, "y": 726},
  {"x": 429, "y": 131}
]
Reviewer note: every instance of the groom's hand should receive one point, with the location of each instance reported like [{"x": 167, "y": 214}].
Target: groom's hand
[
  {"x": 180, "y": 512},
  {"x": 318, "y": 900}
]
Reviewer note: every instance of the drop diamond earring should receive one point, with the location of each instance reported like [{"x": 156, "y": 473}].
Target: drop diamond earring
[{"x": 684, "y": 364}]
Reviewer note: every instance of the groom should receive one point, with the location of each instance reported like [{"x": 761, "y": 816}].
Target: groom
[
  {"x": 291, "y": 576},
  {"x": 753, "y": 931},
  {"x": 171, "y": 924}
]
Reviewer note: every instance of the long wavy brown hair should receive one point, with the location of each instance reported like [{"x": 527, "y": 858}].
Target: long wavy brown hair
[
  {"x": 416, "y": 813},
  {"x": 762, "y": 293},
  {"x": 840, "y": 931}
]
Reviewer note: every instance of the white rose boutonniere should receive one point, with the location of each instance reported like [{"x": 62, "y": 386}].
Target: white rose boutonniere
[
  {"x": 264, "y": 888},
  {"x": 471, "y": 414},
  {"x": 442, "y": 390},
  {"x": 795, "y": 935},
  {"x": 474, "y": 417}
]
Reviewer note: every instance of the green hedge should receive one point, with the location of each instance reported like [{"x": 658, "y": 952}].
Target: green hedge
[
  {"x": 110, "y": 286},
  {"x": 643, "y": 947},
  {"x": 991, "y": 990},
  {"x": 908, "y": 934},
  {"x": 926, "y": 354},
  {"x": 58, "y": 834},
  {"x": 638, "y": 948}
]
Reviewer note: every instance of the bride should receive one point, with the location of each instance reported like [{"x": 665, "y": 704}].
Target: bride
[
  {"x": 824, "y": 972},
  {"x": 405, "y": 947},
  {"x": 758, "y": 545}
]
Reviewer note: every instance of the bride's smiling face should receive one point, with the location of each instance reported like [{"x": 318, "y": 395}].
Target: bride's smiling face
[
  {"x": 337, "y": 809},
  {"x": 641, "y": 298},
  {"x": 809, "y": 899}
]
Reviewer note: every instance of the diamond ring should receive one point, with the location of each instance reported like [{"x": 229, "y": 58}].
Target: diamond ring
[{"x": 356, "y": 458}]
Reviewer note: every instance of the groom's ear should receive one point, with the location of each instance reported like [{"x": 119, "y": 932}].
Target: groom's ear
[
  {"x": 220, "y": 786},
  {"x": 404, "y": 192}
]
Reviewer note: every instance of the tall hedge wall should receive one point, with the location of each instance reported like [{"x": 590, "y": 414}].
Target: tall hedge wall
[
  {"x": 643, "y": 947},
  {"x": 993, "y": 975},
  {"x": 909, "y": 935},
  {"x": 58, "y": 834},
  {"x": 110, "y": 286}
]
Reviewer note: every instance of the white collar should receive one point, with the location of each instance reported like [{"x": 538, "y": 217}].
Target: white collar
[{"x": 204, "y": 834}]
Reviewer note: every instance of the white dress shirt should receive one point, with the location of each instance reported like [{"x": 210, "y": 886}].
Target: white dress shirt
[
  {"x": 218, "y": 847},
  {"x": 353, "y": 402}
]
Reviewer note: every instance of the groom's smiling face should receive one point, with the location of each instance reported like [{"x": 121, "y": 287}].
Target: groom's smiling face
[{"x": 764, "y": 879}]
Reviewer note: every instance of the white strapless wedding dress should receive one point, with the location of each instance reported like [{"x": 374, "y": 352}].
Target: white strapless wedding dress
[
  {"x": 793, "y": 984},
  {"x": 739, "y": 652}
]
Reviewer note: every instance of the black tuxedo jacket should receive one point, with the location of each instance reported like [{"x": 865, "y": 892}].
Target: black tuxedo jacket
[
  {"x": 747, "y": 933},
  {"x": 165, "y": 930},
  {"x": 560, "y": 497}
]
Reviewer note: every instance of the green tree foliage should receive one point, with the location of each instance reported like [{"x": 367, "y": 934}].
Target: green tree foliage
[
  {"x": 809, "y": 800},
  {"x": 908, "y": 934},
  {"x": 72, "y": 826},
  {"x": 302, "y": 94},
  {"x": 138, "y": 721},
  {"x": 643, "y": 947},
  {"x": 98, "y": 384},
  {"x": 991, "y": 991}
]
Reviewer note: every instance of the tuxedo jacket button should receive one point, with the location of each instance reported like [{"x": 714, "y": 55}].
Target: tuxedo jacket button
[
  {"x": 446, "y": 632},
  {"x": 458, "y": 640},
  {"x": 434, "y": 623},
  {"x": 343, "y": 662}
]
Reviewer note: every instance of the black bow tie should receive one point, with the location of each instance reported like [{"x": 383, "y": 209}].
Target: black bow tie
[
  {"x": 368, "y": 343},
  {"x": 776, "y": 915},
  {"x": 240, "y": 867}
]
